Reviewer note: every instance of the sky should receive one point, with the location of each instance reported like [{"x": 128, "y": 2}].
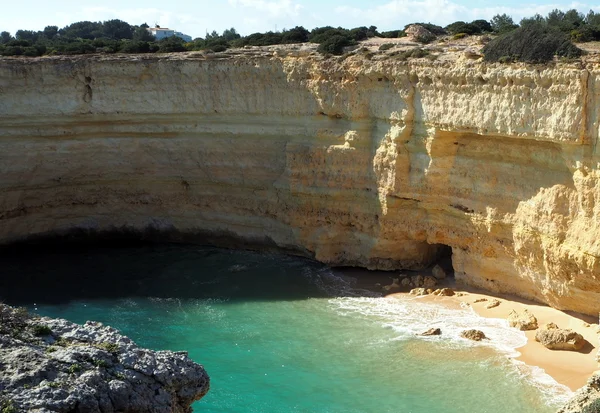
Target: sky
[{"x": 196, "y": 17}]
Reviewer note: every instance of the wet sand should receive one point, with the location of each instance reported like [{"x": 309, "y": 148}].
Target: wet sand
[{"x": 570, "y": 368}]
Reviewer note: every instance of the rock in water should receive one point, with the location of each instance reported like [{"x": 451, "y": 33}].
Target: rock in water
[
  {"x": 475, "y": 335},
  {"x": 438, "y": 272},
  {"x": 432, "y": 332},
  {"x": 53, "y": 365},
  {"x": 556, "y": 338},
  {"x": 524, "y": 321}
]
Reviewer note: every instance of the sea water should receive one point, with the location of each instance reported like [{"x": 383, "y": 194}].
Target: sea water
[{"x": 282, "y": 334}]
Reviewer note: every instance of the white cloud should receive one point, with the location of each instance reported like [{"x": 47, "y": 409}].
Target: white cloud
[{"x": 273, "y": 8}]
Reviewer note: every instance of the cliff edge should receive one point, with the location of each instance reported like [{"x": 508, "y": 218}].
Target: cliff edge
[
  {"x": 360, "y": 160},
  {"x": 53, "y": 365}
]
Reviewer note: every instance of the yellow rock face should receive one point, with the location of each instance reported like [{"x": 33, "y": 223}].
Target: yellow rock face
[{"x": 353, "y": 162}]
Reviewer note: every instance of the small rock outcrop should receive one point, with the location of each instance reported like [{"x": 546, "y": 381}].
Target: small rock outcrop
[
  {"x": 446, "y": 292},
  {"x": 475, "y": 335},
  {"x": 523, "y": 321},
  {"x": 586, "y": 399},
  {"x": 53, "y": 365},
  {"x": 492, "y": 304},
  {"x": 556, "y": 338},
  {"x": 432, "y": 332},
  {"x": 418, "y": 33},
  {"x": 418, "y": 291}
]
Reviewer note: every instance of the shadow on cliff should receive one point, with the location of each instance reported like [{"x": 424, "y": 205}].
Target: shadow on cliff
[{"x": 61, "y": 273}]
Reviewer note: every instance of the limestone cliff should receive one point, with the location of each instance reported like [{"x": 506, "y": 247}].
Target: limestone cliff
[{"x": 374, "y": 163}]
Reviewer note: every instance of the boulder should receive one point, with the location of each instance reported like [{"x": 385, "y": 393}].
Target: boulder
[
  {"x": 492, "y": 304},
  {"x": 560, "y": 339},
  {"x": 523, "y": 321},
  {"x": 446, "y": 292},
  {"x": 405, "y": 282},
  {"x": 475, "y": 335},
  {"x": 438, "y": 272},
  {"x": 418, "y": 33},
  {"x": 416, "y": 281},
  {"x": 480, "y": 300},
  {"x": 432, "y": 332},
  {"x": 429, "y": 282},
  {"x": 418, "y": 291}
]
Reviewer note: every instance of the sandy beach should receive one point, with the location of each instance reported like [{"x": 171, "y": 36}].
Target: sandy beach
[{"x": 570, "y": 368}]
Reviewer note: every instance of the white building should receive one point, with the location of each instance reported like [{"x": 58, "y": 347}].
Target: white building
[{"x": 162, "y": 33}]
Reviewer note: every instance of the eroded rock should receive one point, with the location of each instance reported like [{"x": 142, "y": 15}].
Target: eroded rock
[
  {"x": 586, "y": 399},
  {"x": 523, "y": 321},
  {"x": 66, "y": 367},
  {"x": 475, "y": 335},
  {"x": 447, "y": 292},
  {"x": 432, "y": 332},
  {"x": 492, "y": 304},
  {"x": 556, "y": 338}
]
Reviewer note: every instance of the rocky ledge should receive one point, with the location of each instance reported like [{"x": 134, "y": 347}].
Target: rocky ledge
[{"x": 53, "y": 365}]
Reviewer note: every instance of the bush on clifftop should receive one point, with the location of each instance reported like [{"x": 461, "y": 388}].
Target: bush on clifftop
[{"x": 533, "y": 43}]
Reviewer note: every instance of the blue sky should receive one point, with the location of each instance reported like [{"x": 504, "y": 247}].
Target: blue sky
[{"x": 195, "y": 17}]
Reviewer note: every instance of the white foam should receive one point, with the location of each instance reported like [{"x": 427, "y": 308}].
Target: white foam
[{"x": 410, "y": 316}]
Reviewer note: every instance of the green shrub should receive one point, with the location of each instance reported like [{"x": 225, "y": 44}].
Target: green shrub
[
  {"x": 74, "y": 368},
  {"x": 531, "y": 44},
  {"x": 335, "y": 45},
  {"x": 100, "y": 363},
  {"x": 41, "y": 330},
  {"x": 393, "y": 34},
  {"x": 426, "y": 38},
  {"x": 462, "y": 27},
  {"x": 110, "y": 347},
  {"x": 459, "y": 36},
  {"x": 386, "y": 46},
  {"x": 7, "y": 406},
  {"x": 433, "y": 28}
]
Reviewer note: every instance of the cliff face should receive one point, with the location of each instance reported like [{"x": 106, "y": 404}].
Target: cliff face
[{"x": 355, "y": 162}]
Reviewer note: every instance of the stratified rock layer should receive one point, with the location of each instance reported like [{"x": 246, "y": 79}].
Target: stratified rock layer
[
  {"x": 373, "y": 163},
  {"x": 52, "y": 365}
]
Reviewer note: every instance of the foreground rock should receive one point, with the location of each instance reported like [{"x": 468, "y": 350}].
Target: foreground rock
[
  {"x": 523, "y": 321},
  {"x": 586, "y": 399},
  {"x": 432, "y": 332},
  {"x": 53, "y": 365},
  {"x": 475, "y": 335},
  {"x": 556, "y": 338}
]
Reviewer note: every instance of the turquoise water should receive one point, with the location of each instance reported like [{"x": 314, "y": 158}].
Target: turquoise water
[{"x": 281, "y": 334}]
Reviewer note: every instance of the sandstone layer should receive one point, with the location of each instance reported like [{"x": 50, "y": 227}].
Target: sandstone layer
[{"x": 382, "y": 164}]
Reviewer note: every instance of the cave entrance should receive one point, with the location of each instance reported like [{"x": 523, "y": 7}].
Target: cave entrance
[{"x": 444, "y": 259}]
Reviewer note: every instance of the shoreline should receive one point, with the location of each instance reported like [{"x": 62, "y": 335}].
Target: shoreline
[{"x": 569, "y": 368}]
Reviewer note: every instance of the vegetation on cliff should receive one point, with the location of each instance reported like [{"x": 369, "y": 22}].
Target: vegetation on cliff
[
  {"x": 533, "y": 43},
  {"x": 546, "y": 36}
]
